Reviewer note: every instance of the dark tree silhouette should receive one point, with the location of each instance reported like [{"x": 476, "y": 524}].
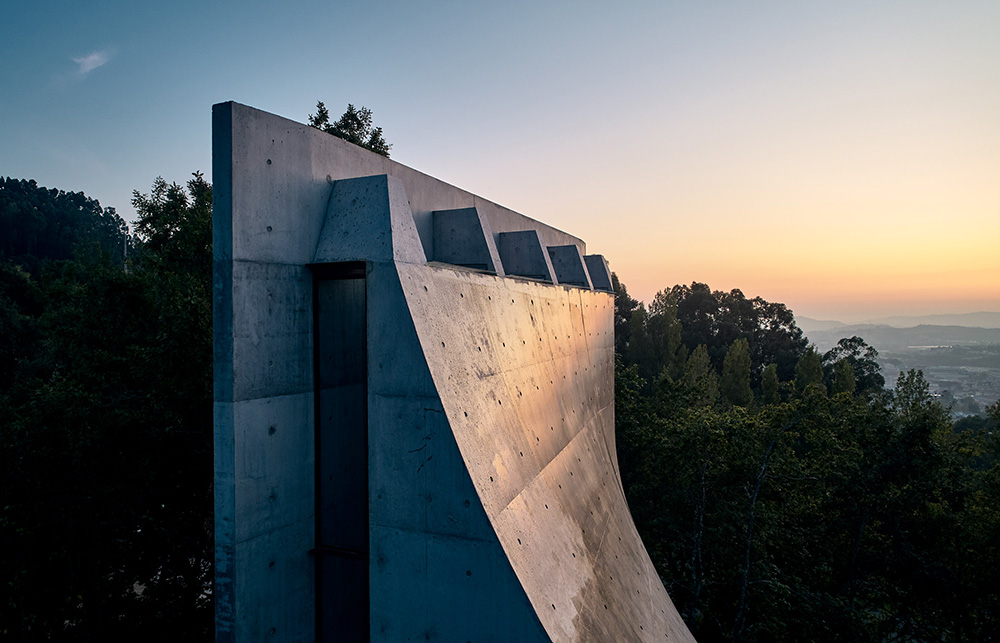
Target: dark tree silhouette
[{"x": 355, "y": 125}]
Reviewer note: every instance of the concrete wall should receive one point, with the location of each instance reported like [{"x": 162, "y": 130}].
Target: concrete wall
[
  {"x": 533, "y": 416},
  {"x": 495, "y": 506}
]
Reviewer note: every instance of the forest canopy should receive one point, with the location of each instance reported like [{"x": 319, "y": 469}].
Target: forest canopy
[
  {"x": 786, "y": 495},
  {"x": 106, "y": 399},
  {"x": 783, "y": 494},
  {"x": 39, "y": 223}
]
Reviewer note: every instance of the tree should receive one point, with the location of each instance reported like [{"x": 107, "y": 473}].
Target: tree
[
  {"x": 625, "y": 307},
  {"x": 175, "y": 225},
  {"x": 776, "y": 339},
  {"x": 823, "y": 518},
  {"x": 106, "y": 465},
  {"x": 769, "y": 391},
  {"x": 717, "y": 319},
  {"x": 843, "y": 378},
  {"x": 700, "y": 378},
  {"x": 47, "y": 224},
  {"x": 734, "y": 386},
  {"x": 697, "y": 309},
  {"x": 655, "y": 340},
  {"x": 993, "y": 411},
  {"x": 20, "y": 306},
  {"x": 355, "y": 125},
  {"x": 808, "y": 371},
  {"x": 665, "y": 330},
  {"x": 863, "y": 360}
]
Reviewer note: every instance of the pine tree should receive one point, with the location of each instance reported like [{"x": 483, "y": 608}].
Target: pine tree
[
  {"x": 700, "y": 378},
  {"x": 843, "y": 377},
  {"x": 355, "y": 126},
  {"x": 809, "y": 371},
  {"x": 735, "y": 382},
  {"x": 769, "y": 390}
]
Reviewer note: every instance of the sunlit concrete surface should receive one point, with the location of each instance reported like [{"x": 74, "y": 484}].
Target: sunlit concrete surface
[{"x": 413, "y": 442}]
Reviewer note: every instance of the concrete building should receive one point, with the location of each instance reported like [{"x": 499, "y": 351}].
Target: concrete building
[{"x": 414, "y": 415}]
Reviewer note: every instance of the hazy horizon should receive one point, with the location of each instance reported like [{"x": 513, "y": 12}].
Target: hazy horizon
[
  {"x": 841, "y": 159},
  {"x": 856, "y": 316},
  {"x": 973, "y": 319}
]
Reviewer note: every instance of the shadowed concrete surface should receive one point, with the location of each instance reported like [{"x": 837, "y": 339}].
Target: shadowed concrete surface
[{"x": 409, "y": 444}]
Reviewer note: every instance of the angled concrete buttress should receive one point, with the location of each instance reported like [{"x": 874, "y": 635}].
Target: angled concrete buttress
[{"x": 414, "y": 415}]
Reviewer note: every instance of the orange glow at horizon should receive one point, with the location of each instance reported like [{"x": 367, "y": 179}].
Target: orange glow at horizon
[
  {"x": 832, "y": 280},
  {"x": 862, "y": 266}
]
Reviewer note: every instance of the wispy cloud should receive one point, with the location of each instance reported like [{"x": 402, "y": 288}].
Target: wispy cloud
[{"x": 92, "y": 61}]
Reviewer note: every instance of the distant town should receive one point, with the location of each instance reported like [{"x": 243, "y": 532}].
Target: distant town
[{"x": 958, "y": 354}]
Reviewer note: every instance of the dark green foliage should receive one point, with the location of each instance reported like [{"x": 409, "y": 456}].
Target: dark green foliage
[
  {"x": 734, "y": 385},
  {"x": 625, "y": 307},
  {"x": 717, "y": 319},
  {"x": 808, "y": 371},
  {"x": 355, "y": 126},
  {"x": 39, "y": 223},
  {"x": 684, "y": 317},
  {"x": 975, "y": 423},
  {"x": 106, "y": 456},
  {"x": 859, "y": 516},
  {"x": 175, "y": 226},
  {"x": 843, "y": 378},
  {"x": 700, "y": 379},
  {"x": 20, "y": 306},
  {"x": 863, "y": 360},
  {"x": 769, "y": 385}
]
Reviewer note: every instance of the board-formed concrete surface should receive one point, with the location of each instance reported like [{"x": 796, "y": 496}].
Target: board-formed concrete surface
[{"x": 412, "y": 441}]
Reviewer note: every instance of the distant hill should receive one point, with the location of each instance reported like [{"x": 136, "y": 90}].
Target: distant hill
[
  {"x": 971, "y": 320},
  {"x": 886, "y": 338},
  {"x": 808, "y": 324},
  {"x": 961, "y": 364}
]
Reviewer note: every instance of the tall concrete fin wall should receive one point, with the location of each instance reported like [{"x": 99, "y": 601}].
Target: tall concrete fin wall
[{"x": 495, "y": 508}]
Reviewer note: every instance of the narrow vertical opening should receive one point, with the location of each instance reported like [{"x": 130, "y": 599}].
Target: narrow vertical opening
[{"x": 340, "y": 340}]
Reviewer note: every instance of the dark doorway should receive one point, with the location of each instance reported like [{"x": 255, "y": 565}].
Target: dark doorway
[{"x": 342, "y": 607}]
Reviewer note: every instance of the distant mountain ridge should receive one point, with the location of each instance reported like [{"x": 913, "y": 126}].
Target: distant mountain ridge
[
  {"x": 980, "y": 319},
  {"x": 888, "y": 338},
  {"x": 808, "y": 324}
]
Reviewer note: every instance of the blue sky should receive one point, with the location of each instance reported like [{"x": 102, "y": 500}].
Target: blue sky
[{"x": 841, "y": 157}]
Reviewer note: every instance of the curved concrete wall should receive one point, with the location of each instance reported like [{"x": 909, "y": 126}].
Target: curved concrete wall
[
  {"x": 495, "y": 508},
  {"x": 525, "y": 375}
]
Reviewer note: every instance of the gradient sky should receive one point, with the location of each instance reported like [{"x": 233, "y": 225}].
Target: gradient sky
[{"x": 842, "y": 158}]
